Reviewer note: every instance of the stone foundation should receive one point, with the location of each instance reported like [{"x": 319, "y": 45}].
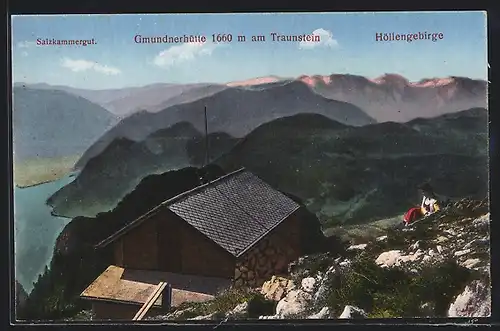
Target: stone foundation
[{"x": 268, "y": 258}]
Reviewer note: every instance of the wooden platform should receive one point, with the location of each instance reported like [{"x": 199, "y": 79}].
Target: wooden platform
[{"x": 120, "y": 285}]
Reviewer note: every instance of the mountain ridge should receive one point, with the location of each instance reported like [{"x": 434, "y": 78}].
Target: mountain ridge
[
  {"x": 155, "y": 96},
  {"x": 235, "y": 111},
  {"x": 300, "y": 152},
  {"x": 342, "y": 171}
]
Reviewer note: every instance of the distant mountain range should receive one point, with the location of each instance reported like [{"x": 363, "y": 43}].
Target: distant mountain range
[
  {"x": 93, "y": 119},
  {"x": 235, "y": 111},
  {"x": 340, "y": 171},
  {"x": 389, "y": 97},
  {"x": 394, "y": 98},
  {"x": 125, "y": 101},
  {"x": 54, "y": 123}
]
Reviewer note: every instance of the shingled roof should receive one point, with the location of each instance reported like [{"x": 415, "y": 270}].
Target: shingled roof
[{"x": 235, "y": 211}]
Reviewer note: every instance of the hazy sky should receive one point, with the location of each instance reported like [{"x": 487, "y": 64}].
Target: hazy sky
[{"x": 347, "y": 45}]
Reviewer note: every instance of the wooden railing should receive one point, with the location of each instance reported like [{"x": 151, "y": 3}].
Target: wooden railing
[{"x": 160, "y": 288}]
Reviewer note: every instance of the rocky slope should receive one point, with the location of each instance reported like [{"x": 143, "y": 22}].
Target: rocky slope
[{"x": 439, "y": 267}]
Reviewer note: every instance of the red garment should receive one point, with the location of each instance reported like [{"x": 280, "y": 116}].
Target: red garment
[{"x": 412, "y": 215}]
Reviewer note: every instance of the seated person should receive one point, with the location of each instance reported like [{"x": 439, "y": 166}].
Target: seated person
[{"x": 429, "y": 203}]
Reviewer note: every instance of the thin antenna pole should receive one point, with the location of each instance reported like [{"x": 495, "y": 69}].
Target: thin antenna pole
[{"x": 206, "y": 139}]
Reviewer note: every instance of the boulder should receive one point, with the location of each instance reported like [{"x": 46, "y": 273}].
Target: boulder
[
  {"x": 357, "y": 247},
  {"x": 461, "y": 253},
  {"x": 322, "y": 314},
  {"x": 351, "y": 312},
  {"x": 388, "y": 259},
  {"x": 308, "y": 284},
  {"x": 276, "y": 288},
  {"x": 345, "y": 263},
  {"x": 294, "y": 303},
  {"x": 474, "y": 301},
  {"x": 471, "y": 263},
  {"x": 239, "y": 311}
]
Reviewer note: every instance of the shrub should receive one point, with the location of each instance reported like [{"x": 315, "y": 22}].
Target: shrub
[
  {"x": 396, "y": 292},
  {"x": 226, "y": 301},
  {"x": 258, "y": 305}
]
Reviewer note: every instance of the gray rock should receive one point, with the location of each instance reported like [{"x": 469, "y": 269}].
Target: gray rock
[
  {"x": 294, "y": 303},
  {"x": 388, "y": 259},
  {"x": 461, "y": 253},
  {"x": 470, "y": 263},
  {"x": 239, "y": 310},
  {"x": 308, "y": 284},
  {"x": 322, "y": 314},
  {"x": 205, "y": 317},
  {"x": 351, "y": 312},
  {"x": 357, "y": 247},
  {"x": 345, "y": 263},
  {"x": 474, "y": 301}
]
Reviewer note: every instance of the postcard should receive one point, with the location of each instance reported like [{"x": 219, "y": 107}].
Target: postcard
[{"x": 218, "y": 167}]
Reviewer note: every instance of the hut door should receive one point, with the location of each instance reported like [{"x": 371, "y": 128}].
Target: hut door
[{"x": 169, "y": 246}]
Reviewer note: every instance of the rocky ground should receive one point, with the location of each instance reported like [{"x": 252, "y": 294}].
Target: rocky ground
[{"x": 439, "y": 267}]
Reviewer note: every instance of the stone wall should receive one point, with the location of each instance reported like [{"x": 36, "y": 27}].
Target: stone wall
[{"x": 270, "y": 256}]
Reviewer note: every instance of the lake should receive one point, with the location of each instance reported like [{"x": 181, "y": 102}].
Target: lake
[{"x": 35, "y": 230}]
